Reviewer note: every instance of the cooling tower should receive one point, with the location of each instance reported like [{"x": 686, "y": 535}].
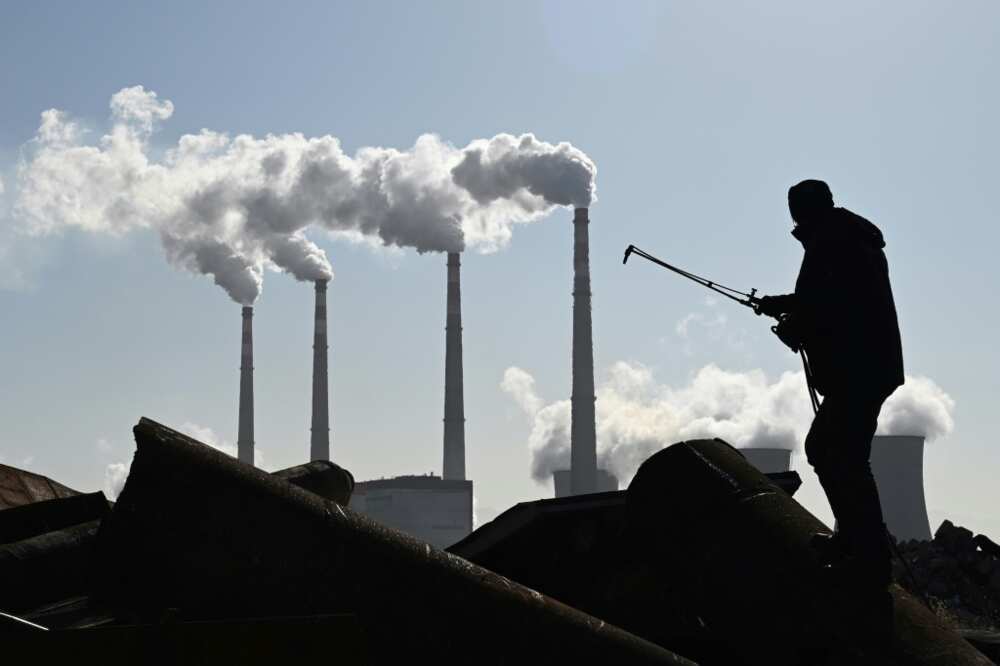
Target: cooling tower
[
  {"x": 769, "y": 461},
  {"x": 898, "y": 466},
  {"x": 583, "y": 429},
  {"x": 454, "y": 401},
  {"x": 244, "y": 441},
  {"x": 319, "y": 443}
]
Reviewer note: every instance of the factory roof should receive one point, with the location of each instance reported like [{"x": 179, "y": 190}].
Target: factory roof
[
  {"x": 413, "y": 482},
  {"x": 29, "y": 520},
  {"x": 19, "y": 487}
]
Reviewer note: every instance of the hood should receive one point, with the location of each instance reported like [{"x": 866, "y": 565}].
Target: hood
[
  {"x": 860, "y": 228},
  {"x": 841, "y": 223}
]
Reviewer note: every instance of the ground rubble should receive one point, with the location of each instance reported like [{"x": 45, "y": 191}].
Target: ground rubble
[{"x": 959, "y": 574}]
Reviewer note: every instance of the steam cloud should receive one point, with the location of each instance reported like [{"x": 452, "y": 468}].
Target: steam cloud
[
  {"x": 530, "y": 172},
  {"x": 636, "y": 416},
  {"x": 114, "y": 479},
  {"x": 207, "y": 436},
  {"x": 918, "y": 407},
  {"x": 231, "y": 207}
]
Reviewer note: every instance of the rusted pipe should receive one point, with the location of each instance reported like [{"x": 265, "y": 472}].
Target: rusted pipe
[
  {"x": 736, "y": 550},
  {"x": 195, "y": 530}
]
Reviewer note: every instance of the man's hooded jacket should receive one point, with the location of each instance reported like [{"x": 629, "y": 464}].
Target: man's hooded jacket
[{"x": 843, "y": 306}]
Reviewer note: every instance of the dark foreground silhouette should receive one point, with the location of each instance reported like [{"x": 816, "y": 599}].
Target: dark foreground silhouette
[
  {"x": 207, "y": 560},
  {"x": 843, "y": 315}
]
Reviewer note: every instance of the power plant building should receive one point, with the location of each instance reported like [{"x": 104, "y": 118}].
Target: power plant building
[
  {"x": 898, "y": 467},
  {"x": 562, "y": 482},
  {"x": 769, "y": 461},
  {"x": 432, "y": 509},
  {"x": 435, "y": 509}
]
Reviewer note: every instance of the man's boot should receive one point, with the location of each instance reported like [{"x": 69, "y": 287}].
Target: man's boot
[{"x": 828, "y": 547}]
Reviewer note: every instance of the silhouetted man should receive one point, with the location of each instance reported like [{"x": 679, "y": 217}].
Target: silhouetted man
[{"x": 843, "y": 314}]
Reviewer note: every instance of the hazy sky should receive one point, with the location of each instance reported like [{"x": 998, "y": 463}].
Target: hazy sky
[{"x": 698, "y": 115}]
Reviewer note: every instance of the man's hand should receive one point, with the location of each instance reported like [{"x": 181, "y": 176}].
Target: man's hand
[
  {"x": 774, "y": 306},
  {"x": 788, "y": 332}
]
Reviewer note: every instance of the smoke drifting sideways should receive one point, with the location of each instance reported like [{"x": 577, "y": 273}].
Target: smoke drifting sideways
[
  {"x": 230, "y": 207},
  {"x": 636, "y": 416}
]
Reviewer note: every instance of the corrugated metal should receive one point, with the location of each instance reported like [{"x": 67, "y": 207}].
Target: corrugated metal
[
  {"x": 19, "y": 487},
  {"x": 28, "y": 520}
]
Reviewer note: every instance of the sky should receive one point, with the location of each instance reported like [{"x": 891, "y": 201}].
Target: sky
[{"x": 698, "y": 117}]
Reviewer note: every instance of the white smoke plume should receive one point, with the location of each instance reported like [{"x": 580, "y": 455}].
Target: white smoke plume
[
  {"x": 918, "y": 407},
  {"x": 114, "y": 479},
  {"x": 515, "y": 178},
  {"x": 521, "y": 386},
  {"x": 229, "y": 207},
  {"x": 636, "y": 416},
  {"x": 207, "y": 436}
]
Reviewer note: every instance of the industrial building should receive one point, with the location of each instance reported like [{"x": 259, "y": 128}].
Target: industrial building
[
  {"x": 769, "y": 461},
  {"x": 429, "y": 508},
  {"x": 435, "y": 509},
  {"x": 562, "y": 482},
  {"x": 897, "y": 463},
  {"x": 898, "y": 467}
]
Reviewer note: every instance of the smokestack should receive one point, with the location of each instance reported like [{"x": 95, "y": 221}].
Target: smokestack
[
  {"x": 898, "y": 467},
  {"x": 319, "y": 443},
  {"x": 454, "y": 400},
  {"x": 562, "y": 478},
  {"x": 244, "y": 442},
  {"x": 583, "y": 429}
]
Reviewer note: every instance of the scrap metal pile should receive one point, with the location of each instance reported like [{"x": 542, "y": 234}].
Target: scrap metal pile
[
  {"x": 959, "y": 572},
  {"x": 204, "y": 559}
]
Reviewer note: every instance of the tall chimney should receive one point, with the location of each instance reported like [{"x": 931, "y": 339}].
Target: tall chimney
[
  {"x": 583, "y": 428},
  {"x": 319, "y": 443},
  {"x": 454, "y": 400},
  {"x": 244, "y": 442}
]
